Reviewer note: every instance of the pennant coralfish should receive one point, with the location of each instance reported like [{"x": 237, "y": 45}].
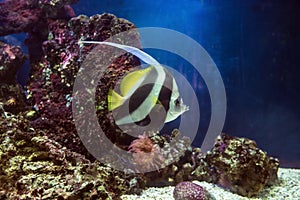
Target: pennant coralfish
[{"x": 142, "y": 89}]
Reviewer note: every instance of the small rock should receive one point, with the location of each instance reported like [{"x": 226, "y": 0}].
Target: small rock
[{"x": 189, "y": 191}]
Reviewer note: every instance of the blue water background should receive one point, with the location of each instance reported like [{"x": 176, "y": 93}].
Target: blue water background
[{"x": 255, "y": 44}]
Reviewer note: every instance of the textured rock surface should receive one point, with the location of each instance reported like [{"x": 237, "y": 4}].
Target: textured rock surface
[
  {"x": 189, "y": 191},
  {"x": 41, "y": 153},
  {"x": 189, "y": 165},
  {"x": 11, "y": 59},
  {"x": 32, "y": 166},
  {"x": 12, "y": 98},
  {"x": 33, "y": 18},
  {"x": 24, "y": 15},
  {"x": 51, "y": 83},
  {"x": 243, "y": 167},
  {"x": 286, "y": 189}
]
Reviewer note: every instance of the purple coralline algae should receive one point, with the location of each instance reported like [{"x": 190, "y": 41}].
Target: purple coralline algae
[
  {"x": 243, "y": 167},
  {"x": 51, "y": 83},
  {"x": 33, "y": 18},
  {"x": 26, "y": 15},
  {"x": 189, "y": 191}
]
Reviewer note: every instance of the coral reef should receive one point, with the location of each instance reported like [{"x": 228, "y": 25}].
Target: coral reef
[
  {"x": 38, "y": 154},
  {"x": 33, "y": 17},
  {"x": 234, "y": 163},
  {"x": 189, "y": 165},
  {"x": 12, "y": 99},
  {"x": 51, "y": 83},
  {"x": 32, "y": 166},
  {"x": 25, "y": 15},
  {"x": 52, "y": 5},
  {"x": 41, "y": 154},
  {"x": 189, "y": 191},
  {"x": 11, "y": 59},
  {"x": 244, "y": 168}
]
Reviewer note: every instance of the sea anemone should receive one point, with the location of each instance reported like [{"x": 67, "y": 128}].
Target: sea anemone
[{"x": 146, "y": 154}]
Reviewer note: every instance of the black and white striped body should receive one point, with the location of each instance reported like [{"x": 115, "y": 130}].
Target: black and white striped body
[
  {"x": 155, "y": 86},
  {"x": 142, "y": 100}
]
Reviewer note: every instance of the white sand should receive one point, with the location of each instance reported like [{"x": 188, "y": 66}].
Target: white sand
[{"x": 287, "y": 189}]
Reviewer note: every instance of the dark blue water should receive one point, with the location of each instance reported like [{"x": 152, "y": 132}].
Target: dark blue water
[{"x": 255, "y": 45}]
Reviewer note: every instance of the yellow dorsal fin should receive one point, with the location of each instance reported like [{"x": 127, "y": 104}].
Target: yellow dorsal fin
[
  {"x": 133, "y": 78},
  {"x": 114, "y": 100}
]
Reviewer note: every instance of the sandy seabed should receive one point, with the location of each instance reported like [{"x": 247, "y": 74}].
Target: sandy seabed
[{"x": 288, "y": 188}]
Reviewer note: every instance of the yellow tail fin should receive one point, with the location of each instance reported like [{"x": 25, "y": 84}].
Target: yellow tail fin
[{"x": 114, "y": 100}]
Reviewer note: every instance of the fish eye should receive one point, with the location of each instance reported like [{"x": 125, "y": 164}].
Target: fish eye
[{"x": 177, "y": 102}]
